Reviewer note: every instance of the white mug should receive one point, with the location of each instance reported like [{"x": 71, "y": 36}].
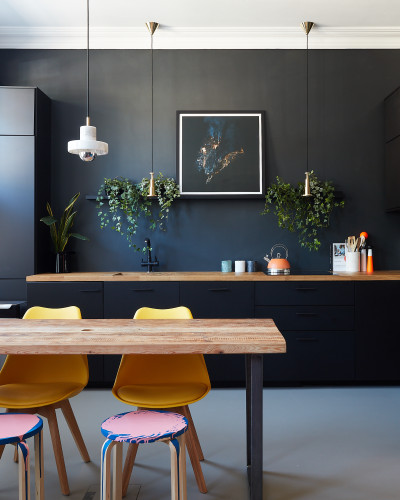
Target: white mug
[
  {"x": 352, "y": 262},
  {"x": 240, "y": 266}
]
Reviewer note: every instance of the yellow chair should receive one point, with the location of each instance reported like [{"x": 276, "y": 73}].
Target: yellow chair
[
  {"x": 39, "y": 383},
  {"x": 164, "y": 381}
]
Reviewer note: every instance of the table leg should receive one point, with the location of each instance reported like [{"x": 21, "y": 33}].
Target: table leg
[{"x": 254, "y": 424}]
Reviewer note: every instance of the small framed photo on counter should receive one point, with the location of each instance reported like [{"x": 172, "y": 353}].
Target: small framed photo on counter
[{"x": 338, "y": 257}]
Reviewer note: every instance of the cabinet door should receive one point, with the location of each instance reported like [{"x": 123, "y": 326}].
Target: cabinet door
[
  {"x": 87, "y": 296},
  {"x": 17, "y": 221},
  {"x": 313, "y": 357},
  {"x": 121, "y": 300},
  {"x": 221, "y": 300},
  {"x": 17, "y": 116},
  {"x": 377, "y": 331}
]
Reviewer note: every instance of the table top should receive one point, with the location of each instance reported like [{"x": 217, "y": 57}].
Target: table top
[
  {"x": 129, "y": 336},
  {"x": 211, "y": 276}
]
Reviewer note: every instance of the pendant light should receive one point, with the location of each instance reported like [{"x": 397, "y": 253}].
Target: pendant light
[
  {"x": 87, "y": 147},
  {"x": 152, "y": 188},
  {"x": 307, "y": 26}
]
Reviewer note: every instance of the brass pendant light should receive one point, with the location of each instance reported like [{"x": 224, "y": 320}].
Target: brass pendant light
[
  {"x": 307, "y": 27},
  {"x": 152, "y": 188}
]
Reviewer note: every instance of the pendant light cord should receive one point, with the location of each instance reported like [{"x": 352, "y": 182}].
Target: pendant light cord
[
  {"x": 307, "y": 101},
  {"x": 87, "y": 58},
  {"x": 152, "y": 105}
]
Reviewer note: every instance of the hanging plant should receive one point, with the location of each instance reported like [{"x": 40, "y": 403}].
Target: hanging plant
[
  {"x": 123, "y": 203},
  {"x": 304, "y": 215}
]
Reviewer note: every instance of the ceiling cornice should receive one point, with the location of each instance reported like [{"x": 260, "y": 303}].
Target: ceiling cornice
[{"x": 200, "y": 38}]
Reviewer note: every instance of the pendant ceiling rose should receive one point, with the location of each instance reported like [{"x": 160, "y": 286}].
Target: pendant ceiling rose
[{"x": 307, "y": 26}]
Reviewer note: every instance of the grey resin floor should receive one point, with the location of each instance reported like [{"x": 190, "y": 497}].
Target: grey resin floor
[{"x": 319, "y": 444}]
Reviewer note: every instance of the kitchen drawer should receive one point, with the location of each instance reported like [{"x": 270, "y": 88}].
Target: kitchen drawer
[
  {"x": 309, "y": 317},
  {"x": 88, "y": 296},
  {"x": 304, "y": 293},
  {"x": 121, "y": 300},
  {"x": 218, "y": 299},
  {"x": 313, "y": 357}
]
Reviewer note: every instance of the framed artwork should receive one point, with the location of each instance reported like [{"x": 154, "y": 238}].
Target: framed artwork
[{"x": 220, "y": 154}]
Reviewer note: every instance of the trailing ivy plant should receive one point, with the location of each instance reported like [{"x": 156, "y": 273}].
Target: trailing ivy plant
[
  {"x": 123, "y": 203},
  {"x": 304, "y": 215}
]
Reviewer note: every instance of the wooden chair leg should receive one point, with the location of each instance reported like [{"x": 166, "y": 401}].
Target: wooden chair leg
[
  {"x": 193, "y": 455},
  {"x": 174, "y": 449},
  {"x": 24, "y": 471},
  {"x": 2, "y": 449},
  {"x": 117, "y": 471},
  {"x": 105, "y": 485},
  {"x": 73, "y": 427},
  {"x": 16, "y": 454},
  {"x": 39, "y": 482},
  {"x": 128, "y": 466},
  {"x": 192, "y": 429},
  {"x": 50, "y": 414}
]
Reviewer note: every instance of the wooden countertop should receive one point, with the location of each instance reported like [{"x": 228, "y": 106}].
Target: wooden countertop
[
  {"x": 129, "y": 336},
  {"x": 211, "y": 276}
]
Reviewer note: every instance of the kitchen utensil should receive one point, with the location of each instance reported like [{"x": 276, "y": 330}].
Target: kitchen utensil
[{"x": 278, "y": 265}]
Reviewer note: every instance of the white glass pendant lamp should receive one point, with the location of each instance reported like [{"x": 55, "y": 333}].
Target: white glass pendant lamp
[
  {"x": 87, "y": 147},
  {"x": 307, "y": 27}
]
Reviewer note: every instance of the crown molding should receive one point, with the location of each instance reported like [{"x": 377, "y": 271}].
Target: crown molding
[{"x": 200, "y": 38}]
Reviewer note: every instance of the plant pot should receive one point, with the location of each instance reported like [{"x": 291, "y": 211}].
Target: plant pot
[{"x": 61, "y": 262}]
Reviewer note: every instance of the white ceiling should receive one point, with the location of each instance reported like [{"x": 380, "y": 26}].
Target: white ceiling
[{"x": 200, "y": 23}]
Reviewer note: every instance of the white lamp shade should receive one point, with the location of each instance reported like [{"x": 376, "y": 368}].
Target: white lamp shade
[{"x": 87, "y": 143}]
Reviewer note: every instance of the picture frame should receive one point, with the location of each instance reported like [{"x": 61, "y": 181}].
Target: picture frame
[
  {"x": 338, "y": 257},
  {"x": 220, "y": 154}
]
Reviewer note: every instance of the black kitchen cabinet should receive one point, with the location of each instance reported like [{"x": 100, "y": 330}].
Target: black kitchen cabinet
[
  {"x": 121, "y": 300},
  {"x": 88, "y": 296},
  {"x": 317, "y": 321},
  {"x": 24, "y": 187},
  {"x": 377, "y": 331},
  {"x": 392, "y": 151},
  {"x": 210, "y": 299}
]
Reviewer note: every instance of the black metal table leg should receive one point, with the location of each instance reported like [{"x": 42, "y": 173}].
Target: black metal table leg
[{"x": 254, "y": 424}]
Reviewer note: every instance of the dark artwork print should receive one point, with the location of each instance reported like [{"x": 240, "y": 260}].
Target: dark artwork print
[{"x": 220, "y": 154}]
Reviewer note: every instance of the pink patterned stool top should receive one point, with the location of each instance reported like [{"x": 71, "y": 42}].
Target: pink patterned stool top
[
  {"x": 144, "y": 426},
  {"x": 15, "y": 427}
]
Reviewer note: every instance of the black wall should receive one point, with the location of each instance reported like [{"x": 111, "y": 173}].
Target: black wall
[{"x": 347, "y": 88}]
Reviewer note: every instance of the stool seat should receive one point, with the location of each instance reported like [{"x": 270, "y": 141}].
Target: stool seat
[
  {"x": 16, "y": 427},
  {"x": 144, "y": 426}
]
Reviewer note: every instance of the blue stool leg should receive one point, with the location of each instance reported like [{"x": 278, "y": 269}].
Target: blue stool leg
[
  {"x": 105, "y": 485},
  {"x": 178, "y": 468},
  {"x": 39, "y": 483},
  {"x": 24, "y": 473}
]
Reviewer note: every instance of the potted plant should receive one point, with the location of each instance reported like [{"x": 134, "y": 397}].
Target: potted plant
[
  {"x": 123, "y": 203},
  {"x": 304, "y": 215},
  {"x": 60, "y": 231}
]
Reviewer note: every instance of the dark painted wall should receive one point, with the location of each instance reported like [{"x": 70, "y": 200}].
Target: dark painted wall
[{"x": 347, "y": 89}]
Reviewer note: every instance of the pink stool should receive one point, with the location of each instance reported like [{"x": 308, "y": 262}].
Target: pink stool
[
  {"x": 143, "y": 426},
  {"x": 14, "y": 429}
]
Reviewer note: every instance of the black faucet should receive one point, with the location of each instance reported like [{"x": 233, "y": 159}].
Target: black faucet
[{"x": 149, "y": 262}]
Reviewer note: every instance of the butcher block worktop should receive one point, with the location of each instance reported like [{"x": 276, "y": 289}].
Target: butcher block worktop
[{"x": 211, "y": 276}]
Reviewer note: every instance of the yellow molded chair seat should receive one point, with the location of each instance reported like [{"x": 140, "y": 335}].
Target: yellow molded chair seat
[
  {"x": 164, "y": 381},
  {"x": 41, "y": 383}
]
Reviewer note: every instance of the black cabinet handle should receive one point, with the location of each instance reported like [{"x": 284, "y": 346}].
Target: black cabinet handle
[
  {"x": 218, "y": 289},
  {"x": 307, "y": 339},
  {"x": 306, "y": 314},
  {"x": 90, "y": 291},
  {"x": 305, "y": 289},
  {"x": 142, "y": 289}
]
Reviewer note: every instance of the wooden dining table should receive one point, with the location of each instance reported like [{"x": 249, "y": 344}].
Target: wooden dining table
[{"x": 252, "y": 337}]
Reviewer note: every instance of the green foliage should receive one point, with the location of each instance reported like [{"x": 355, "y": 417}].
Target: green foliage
[
  {"x": 122, "y": 203},
  {"x": 60, "y": 233},
  {"x": 304, "y": 215}
]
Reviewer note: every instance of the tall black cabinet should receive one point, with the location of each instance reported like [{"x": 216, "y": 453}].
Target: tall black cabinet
[{"x": 24, "y": 187}]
